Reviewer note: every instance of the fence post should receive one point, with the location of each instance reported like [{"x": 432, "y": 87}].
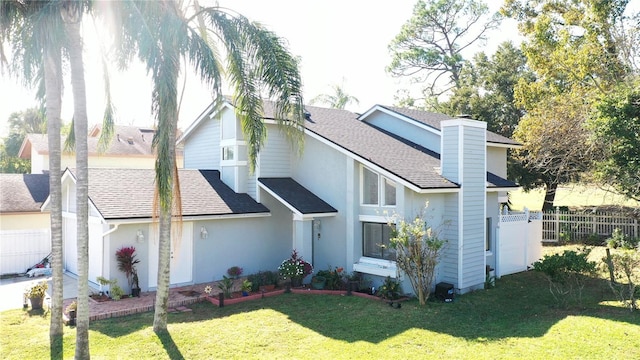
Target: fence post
[{"x": 557, "y": 226}]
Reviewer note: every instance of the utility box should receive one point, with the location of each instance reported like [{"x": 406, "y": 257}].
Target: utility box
[{"x": 444, "y": 292}]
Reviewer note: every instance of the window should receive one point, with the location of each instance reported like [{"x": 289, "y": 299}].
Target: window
[
  {"x": 227, "y": 153},
  {"x": 389, "y": 192},
  {"x": 375, "y": 241},
  {"x": 369, "y": 187}
]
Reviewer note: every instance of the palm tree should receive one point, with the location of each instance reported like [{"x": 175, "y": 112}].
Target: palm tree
[
  {"x": 33, "y": 28},
  {"x": 163, "y": 35},
  {"x": 72, "y": 14},
  {"x": 338, "y": 100}
]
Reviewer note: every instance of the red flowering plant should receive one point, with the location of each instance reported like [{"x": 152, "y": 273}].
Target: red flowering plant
[
  {"x": 294, "y": 268},
  {"x": 234, "y": 272},
  {"x": 127, "y": 262},
  {"x": 335, "y": 278}
]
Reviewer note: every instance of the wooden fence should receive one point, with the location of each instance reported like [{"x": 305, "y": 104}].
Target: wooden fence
[{"x": 578, "y": 226}]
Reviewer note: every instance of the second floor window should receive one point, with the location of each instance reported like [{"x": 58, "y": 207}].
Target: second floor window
[{"x": 377, "y": 189}]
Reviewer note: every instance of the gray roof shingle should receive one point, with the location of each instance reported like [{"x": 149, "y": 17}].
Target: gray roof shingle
[
  {"x": 128, "y": 194},
  {"x": 433, "y": 120},
  {"x": 23, "y": 192},
  {"x": 297, "y": 196}
]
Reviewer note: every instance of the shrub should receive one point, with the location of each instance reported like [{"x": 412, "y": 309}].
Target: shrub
[
  {"x": 619, "y": 240},
  {"x": 334, "y": 278},
  {"x": 566, "y": 274},
  {"x": 390, "y": 289},
  {"x": 226, "y": 285},
  {"x": 234, "y": 272},
  {"x": 126, "y": 258},
  {"x": 625, "y": 267},
  {"x": 418, "y": 251}
]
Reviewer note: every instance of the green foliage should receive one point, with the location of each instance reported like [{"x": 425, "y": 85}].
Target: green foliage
[
  {"x": 338, "y": 100},
  {"x": 247, "y": 285},
  {"x": 334, "y": 278},
  {"x": 390, "y": 289},
  {"x": 116, "y": 291},
  {"x": 625, "y": 266},
  {"x": 619, "y": 240},
  {"x": 418, "y": 251},
  {"x": 226, "y": 285},
  {"x": 566, "y": 274},
  {"x": 37, "y": 290},
  {"x": 616, "y": 131}
]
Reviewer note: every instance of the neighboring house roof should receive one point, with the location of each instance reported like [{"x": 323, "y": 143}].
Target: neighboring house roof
[
  {"x": 297, "y": 197},
  {"x": 434, "y": 119},
  {"x": 127, "y": 141},
  {"x": 23, "y": 192},
  {"x": 495, "y": 181},
  {"x": 129, "y": 194}
]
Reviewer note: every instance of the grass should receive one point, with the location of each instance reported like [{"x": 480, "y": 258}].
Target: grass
[
  {"x": 517, "y": 319},
  {"x": 571, "y": 195}
]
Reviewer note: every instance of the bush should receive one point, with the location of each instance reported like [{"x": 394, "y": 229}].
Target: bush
[
  {"x": 625, "y": 267},
  {"x": 619, "y": 240},
  {"x": 418, "y": 251},
  {"x": 334, "y": 278},
  {"x": 390, "y": 289},
  {"x": 566, "y": 274}
]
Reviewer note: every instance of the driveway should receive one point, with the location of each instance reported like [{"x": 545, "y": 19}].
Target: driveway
[{"x": 11, "y": 289}]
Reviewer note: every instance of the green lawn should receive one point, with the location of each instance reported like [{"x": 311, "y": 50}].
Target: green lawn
[
  {"x": 569, "y": 195},
  {"x": 517, "y": 319}
]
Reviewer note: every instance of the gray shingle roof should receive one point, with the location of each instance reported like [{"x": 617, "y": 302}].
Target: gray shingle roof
[
  {"x": 297, "y": 196},
  {"x": 127, "y": 140},
  {"x": 23, "y": 192},
  {"x": 395, "y": 155},
  {"x": 497, "y": 181},
  {"x": 407, "y": 160},
  {"x": 433, "y": 120},
  {"x": 128, "y": 194}
]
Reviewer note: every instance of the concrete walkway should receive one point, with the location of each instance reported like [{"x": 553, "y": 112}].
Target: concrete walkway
[{"x": 12, "y": 289}]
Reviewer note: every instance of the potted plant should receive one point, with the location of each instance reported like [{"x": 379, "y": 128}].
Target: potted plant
[
  {"x": 127, "y": 262},
  {"x": 71, "y": 311},
  {"x": 36, "y": 294},
  {"x": 318, "y": 282},
  {"x": 294, "y": 269},
  {"x": 135, "y": 285},
  {"x": 246, "y": 287}
]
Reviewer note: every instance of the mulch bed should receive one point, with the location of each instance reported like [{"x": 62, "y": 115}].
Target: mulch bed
[{"x": 189, "y": 293}]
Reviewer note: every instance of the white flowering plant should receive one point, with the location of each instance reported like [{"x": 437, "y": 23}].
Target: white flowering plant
[{"x": 294, "y": 267}]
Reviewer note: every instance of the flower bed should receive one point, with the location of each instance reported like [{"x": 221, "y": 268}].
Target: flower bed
[{"x": 254, "y": 296}]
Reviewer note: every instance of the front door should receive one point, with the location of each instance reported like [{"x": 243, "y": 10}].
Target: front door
[{"x": 181, "y": 256}]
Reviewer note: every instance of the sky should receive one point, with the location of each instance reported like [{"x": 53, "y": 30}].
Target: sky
[{"x": 339, "y": 43}]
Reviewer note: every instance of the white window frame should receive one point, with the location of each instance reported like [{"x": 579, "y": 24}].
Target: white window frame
[
  {"x": 381, "y": 189},
  {"x": 234, "y": 145}
]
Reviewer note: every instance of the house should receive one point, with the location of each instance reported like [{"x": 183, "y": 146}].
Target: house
[
  {"x": 129, "y": 148},
  {"x": 24, "y": 229},
  {"x": 22, "y": 225},
  {"x": 332, "y": 203}
]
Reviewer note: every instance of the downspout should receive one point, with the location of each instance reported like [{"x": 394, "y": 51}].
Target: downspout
[{"x": 111, "y": 230}]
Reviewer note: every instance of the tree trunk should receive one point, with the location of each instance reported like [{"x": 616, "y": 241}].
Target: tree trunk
[
  {"x": 53, "y": 89},
  {"x": 166, "y": 177},
  {"x": 549, "y": 196},
  {"x": 82, "y": 182}
]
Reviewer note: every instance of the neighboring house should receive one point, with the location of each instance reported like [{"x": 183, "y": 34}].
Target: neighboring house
[
  {"x": 129, "y": 148},
  {"x": 332, "y": 202},
  {"x": 24, "y": 229}
]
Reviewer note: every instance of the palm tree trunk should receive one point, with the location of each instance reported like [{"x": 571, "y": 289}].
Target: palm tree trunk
[
  {"x": 82, "y": 183},
  {"x": 53, "y": 89},
  {"x": 166, "y": 90}
]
